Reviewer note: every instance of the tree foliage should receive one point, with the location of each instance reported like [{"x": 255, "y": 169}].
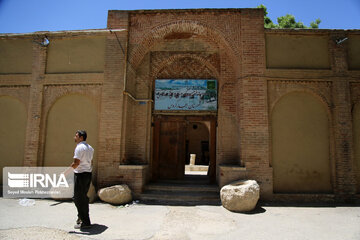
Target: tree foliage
[{"x": 287, "y": 21}]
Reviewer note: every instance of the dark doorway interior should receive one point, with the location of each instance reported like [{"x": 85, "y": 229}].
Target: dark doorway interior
[
  {"x": 184, "y": 145},
  {"x": 197, "y": 142},
  {"x": 197, "y": 148}
]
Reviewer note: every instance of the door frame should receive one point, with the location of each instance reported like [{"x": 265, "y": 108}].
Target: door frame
[{"x": 157, "y": 118}]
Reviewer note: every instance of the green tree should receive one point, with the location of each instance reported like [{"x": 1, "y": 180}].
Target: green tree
[{"x": 287, "y": 21}]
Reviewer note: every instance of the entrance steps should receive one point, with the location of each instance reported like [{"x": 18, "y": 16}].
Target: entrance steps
[{"x": 192, "y": 190}]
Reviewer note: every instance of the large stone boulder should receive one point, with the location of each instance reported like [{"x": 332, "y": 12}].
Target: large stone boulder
[
  {"x": 117, "y": 194},
  {"x": 240, "y": 196},
  {"x": 91, "y": 195}
]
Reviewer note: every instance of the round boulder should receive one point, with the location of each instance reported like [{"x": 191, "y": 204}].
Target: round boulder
[
  {"x": 117, "y": 194},
  {"x": 240, "y": 196}
]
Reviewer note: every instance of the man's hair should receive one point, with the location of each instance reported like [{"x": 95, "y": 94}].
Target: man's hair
[{"x": 82, "y": 133}]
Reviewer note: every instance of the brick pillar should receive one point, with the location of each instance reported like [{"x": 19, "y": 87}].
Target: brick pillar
[
  {"x": 112, "y": 99},
  {"x": 253, "y": 115},
  {"x": 32, "y": 137},
  {"x": 345, "y": 185},
  {"x": 118, "y": 19},
  {"x": 138, "y": 119}
]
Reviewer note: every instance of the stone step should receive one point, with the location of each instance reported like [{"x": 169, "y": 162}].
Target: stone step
[
  {"x": 182, "y": 187},
  {"x": 180, "y": 198},
  {"x": 189, "y": 179},
  {"x": 192, "y": 190}
]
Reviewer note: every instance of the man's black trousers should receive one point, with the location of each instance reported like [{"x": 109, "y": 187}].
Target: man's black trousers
[{"x": 81, "y": 200}]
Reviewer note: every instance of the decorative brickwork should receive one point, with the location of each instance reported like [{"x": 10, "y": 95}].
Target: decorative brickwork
[
  {"x": 321, "y": 90},
  {"x": 210, "y": 25},
  {"x": 179, "y": 65}
]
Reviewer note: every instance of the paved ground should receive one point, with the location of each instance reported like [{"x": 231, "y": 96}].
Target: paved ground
[{"x": 54, "y": 220}]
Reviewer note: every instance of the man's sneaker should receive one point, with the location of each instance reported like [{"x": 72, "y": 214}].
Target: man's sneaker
[
  {"x": 77, "y": 226},
  {"x": 78, "y": 223}
]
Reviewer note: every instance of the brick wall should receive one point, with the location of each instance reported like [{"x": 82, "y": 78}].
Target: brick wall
[
  {"x": 333, "y": 88},
  {"x": 252, "y": 105},
  {"x": 345, "y": 186},
  {"x": 34, "y": 105},
  {"x": 112, "y": 109}
]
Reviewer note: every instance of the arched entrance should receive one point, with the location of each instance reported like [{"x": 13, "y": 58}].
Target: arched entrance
[
  {"x": 176, "y": 137},
  {"x": 179, "y": 50},
  {"x": 184, "y": 117}
]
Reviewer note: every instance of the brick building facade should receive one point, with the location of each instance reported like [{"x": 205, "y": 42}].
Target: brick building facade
[{"x": 288, "y": 110}]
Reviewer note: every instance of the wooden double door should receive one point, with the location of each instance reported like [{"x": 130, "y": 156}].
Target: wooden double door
[{"x": 169, "y": 148}]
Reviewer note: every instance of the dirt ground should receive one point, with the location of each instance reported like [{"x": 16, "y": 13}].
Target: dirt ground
[{"x": 48, "y": 219}]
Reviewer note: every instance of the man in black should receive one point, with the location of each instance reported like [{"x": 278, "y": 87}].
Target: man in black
[{"x": 82, "y": 166}]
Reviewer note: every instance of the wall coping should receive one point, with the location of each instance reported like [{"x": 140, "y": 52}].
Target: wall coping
[
  {"x": 310, "y": 30},
  {"x": 186, "y": 10},
  {"x": 62, "y": 33}
]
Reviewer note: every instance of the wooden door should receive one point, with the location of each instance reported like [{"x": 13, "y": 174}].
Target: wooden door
[{"x": 169, "y": 152}]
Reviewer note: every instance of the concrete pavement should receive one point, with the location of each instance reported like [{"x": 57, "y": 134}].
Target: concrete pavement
[{"x": 48, "y": 219}]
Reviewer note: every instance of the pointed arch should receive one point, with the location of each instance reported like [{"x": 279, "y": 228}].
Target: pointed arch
[
  {"x": 193, "y": 27},
  {"x": 177, "y": 57}
]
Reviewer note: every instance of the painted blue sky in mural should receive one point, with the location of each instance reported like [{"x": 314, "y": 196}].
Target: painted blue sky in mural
[{"x": 186, "y": 95}]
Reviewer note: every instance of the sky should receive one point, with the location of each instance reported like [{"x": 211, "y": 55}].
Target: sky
[{"x": 26, "y": 16}]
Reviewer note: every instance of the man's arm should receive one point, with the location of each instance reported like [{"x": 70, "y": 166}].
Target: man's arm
[
  {"x": 76, "y": 163},
  {"x": 73, "y": 165}
]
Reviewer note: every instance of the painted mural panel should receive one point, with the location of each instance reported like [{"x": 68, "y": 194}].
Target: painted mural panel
[{"x": 186, "y": 94}]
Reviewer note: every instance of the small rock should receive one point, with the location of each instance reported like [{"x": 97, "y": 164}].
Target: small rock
[
  {"x": 117, "y": 194},
  {"x": 240, "y": 196}
]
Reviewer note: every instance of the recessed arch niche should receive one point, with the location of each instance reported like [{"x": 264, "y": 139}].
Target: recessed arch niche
[
  {"x": 13, "y": 119},
  {"x": 68, "y": 114},
  {"x": 300, "y": 145}
]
